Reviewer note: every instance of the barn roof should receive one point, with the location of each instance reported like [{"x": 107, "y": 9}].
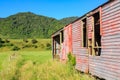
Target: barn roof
[
  {"x": 92, "y": 10},
  {"x": 58, "y": 31}
]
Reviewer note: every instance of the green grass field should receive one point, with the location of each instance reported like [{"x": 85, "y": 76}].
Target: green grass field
[
  {"x": 42, "y": 44},
  {"x": 21, "y": 60},
  {"x": 36, "y": 65}
]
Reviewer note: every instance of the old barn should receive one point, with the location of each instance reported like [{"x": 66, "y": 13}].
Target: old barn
[{"x": 94, "y": 39}]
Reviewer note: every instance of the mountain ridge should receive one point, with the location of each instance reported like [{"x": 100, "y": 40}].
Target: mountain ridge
[{"x": 30, "y": 25}]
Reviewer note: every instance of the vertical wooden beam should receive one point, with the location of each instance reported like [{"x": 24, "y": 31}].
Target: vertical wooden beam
[
  {"x": 87, "y": 21},
  {"x": 93, "y": 37},
  {"x": 60, "y": 41},
  {"x": 86, "y": 34},
  {"x": 81, "y": 22},
  {"x": 60, "y": 38},
  {"x": 100, "y": 21},
  {"x": 60, "y": 49},
  {"x": 53, "y": 47}
]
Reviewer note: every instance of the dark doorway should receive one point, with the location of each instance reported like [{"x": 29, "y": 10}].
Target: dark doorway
[{"x": 97, "y": 36}]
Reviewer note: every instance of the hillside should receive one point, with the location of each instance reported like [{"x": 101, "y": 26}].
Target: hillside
[
  {"x": 30, "y": 25},
  {"x": 1, "y": 18},
  {"x": 68, "y": 20}
]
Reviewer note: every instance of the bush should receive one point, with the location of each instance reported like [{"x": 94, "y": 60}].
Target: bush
[
  {"x": 9, "y": 44},
  {"x": 15, "y": 48},
  {"x": 7, "y": 41},
  {"x": 71, "y": 59},
  {"x": 35, "y": 46},
  {"x": 27, "y": 46},
  {"x": 48, "y": 46},
  {"x": 1, "y": 42},
  {"x": 25, "y": 40},
  {"x": 34, "y": 41},
  {"x": 42, "y": 46}
]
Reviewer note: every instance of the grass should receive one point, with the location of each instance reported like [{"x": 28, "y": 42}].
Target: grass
[
  {"x": 3, "y": 56},
  {"x": 36, "y": 65},
  {"x": 26, "y": 46}
]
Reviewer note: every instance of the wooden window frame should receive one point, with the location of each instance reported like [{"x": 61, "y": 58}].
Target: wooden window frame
[
  {"x": 84, "y": 32},
  {"x": 96, "y": 42}
]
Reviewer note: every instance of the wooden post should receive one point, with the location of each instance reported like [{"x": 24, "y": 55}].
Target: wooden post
[
  {"x": 60, "y": 38},
  {"x": 100, "y": 21},
  {"x": 53, "y": 47},
  {"x": 82, "y": 32},
  {"x": 93, "y": 37}
]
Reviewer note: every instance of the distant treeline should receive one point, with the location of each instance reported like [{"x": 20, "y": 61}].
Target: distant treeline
[{"x": 29, "y": 25}]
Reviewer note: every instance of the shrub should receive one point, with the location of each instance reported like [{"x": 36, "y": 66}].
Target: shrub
[
  {"x": 9, "y": 44},
  {"x": 27, "y": 46},
  {"x": 42, "y": 46},
  {"x": 7, "y": 41},
  {"x": 35, "y": 46},
  {"x": 1, "y": 42},
  {"x": 0, "y": 39},
  {"x": 48, "y": 46},
  {"x": 15, "y": 48},
  {"x": 71, "y": 59},
  {"x": 34, "y": 41},
  {"x": 25, "y": 40}
]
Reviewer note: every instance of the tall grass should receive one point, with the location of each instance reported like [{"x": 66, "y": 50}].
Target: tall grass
[
  {"x": 9, "y": 67},
  {"x": 37, "y": 66}
]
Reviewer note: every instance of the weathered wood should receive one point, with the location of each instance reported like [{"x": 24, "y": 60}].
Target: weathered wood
[{"x": 107, "y": 64}]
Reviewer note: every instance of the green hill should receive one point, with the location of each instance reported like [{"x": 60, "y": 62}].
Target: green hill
[
  {"x": 30, "y": 25},
  {"x": 68, "y": 20}
]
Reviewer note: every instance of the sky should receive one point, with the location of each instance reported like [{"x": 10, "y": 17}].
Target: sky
[{"x": 52, "y": 8}]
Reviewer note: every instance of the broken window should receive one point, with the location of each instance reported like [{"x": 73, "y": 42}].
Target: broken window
[
  {"x": 62, "y": 36},
  {"x": 84, "y": 33},
  {"x": 97, "y": 36}
]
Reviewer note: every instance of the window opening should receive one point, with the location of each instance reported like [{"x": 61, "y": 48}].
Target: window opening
[
  {"x": 97, "y": 36},
  {"x": 84, "y": 34}
]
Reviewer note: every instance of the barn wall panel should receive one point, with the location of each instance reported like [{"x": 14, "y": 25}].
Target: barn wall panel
[
  {"x": 67, "y": 43},
  {"x": 107, "y": 65},
  {"x": 80, "y": 53},
  {"x": 89, "y": 27}
]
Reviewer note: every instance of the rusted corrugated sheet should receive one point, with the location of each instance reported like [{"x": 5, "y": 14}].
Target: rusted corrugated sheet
[
  {"x": 80, "y": 53},
  {"x": 67, "y": 44},
  {"x": 107, "y": 65},
  {"x": 89, "y": 26}
]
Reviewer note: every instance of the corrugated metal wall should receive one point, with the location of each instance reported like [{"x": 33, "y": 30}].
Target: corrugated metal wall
[
  {"x": 89, "y": 27},
  {"x": 67, "y": 43},
  {"x": 80, "y": 53},
  {"x": 107, "y": 65}
]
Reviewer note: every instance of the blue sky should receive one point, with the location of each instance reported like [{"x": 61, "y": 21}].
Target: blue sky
[{"x": 52, "y": 8}]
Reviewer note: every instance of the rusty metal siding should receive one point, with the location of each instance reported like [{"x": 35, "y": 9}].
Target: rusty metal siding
[
  {"x": 76, "y": 38},
  {"x": 107, "y": 65},
  {"x": 67, "y": 43},
  {"x": 78, "y": 50},
  {"x": 89, "y": 27}
]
